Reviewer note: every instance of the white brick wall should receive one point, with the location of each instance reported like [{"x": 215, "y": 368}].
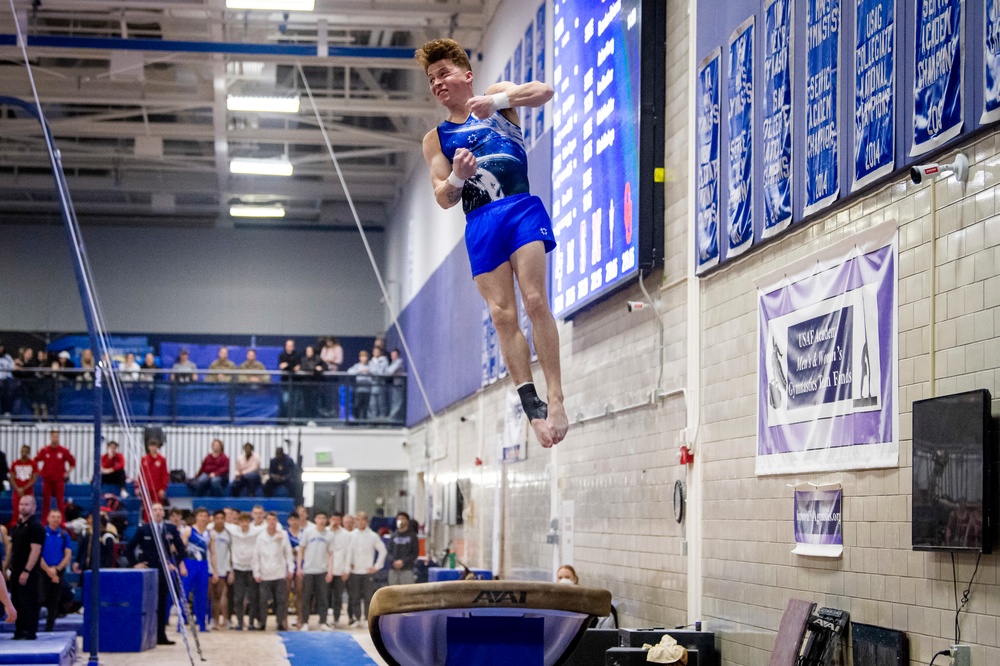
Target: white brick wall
[{"x": 620, "y": 470}]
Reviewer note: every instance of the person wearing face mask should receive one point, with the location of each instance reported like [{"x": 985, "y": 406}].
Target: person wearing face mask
[
  {"x": 403, "y": 551},
  {"x": 566, "y": 575}
]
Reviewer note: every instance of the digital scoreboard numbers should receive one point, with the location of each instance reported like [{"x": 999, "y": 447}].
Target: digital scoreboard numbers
[{"x": 595, "y": 149}]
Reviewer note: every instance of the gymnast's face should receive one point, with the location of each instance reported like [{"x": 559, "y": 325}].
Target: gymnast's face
[{"x": 450, "y": 84}]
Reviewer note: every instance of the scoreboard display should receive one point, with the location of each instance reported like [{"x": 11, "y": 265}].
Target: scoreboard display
[{"x": 607, "y": 147}]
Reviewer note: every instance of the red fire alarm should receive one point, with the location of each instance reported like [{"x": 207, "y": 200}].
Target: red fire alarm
[
  {"x": 479, "y": 461},
  {"x": 686, "y": 457}
]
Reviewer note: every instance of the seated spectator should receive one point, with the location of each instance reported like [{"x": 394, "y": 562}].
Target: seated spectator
[
  {"x": 149, "y": 368},
  {"x": 362, "y": 385},
  {"x": 221, "y": 363},
  {"x": 24, "y": 373},
  {"x": 85, "y": 378},
  {"x": 113, "y": 467},
  {"x": 184, "y": 370},
  {"x": 213, "y": 475},
  {"x": 332, "y": 354},
  {"x": 129, "y": 370},
  {"x": 43, "y": 391},
  {"x": 246, "y": 480},
  {"x": 280, "y": 474},
  {"x": 259, "y": 374}
]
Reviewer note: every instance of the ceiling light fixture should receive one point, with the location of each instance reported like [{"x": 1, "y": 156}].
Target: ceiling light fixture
[
  {"x": 274, "y": 5},
  {"x": 243, "y": 210},
  {"x": 261, "y": 167},
  {"x": 263, "y": 104}
]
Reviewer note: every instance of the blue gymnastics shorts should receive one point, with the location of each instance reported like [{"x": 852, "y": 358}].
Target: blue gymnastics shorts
[{"x": 495, "y": 231}]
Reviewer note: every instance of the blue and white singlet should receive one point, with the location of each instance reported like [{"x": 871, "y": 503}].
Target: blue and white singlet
[{"x": 499, "y": 150}]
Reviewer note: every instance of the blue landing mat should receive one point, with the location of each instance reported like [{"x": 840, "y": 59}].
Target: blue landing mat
[
  {"x": 56, "y": 648},
  {"x": 72, "y": 622},
  {"x": 321, "y": 647}
]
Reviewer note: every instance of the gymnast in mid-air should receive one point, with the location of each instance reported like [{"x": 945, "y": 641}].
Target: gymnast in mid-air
[{"x": 477, "y": 156}]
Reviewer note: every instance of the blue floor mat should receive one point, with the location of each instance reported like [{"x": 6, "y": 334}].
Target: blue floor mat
[
  {"x": 315, "y": 647},
  {"x": 55, "y": 648}
]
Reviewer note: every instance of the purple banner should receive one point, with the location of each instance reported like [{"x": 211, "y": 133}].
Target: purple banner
[
  {"x": 827, "y": 362},
  {"x": 819, "y": 522}
]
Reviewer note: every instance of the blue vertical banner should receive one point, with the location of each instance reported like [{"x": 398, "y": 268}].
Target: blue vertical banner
[
  {"x": 938, "y": 79},
  {"x": 516, "y": 74},
  {"x": 776, "y": 181},
  {"x": 991, "y": 28},
  {"x": 822, "y": 84},
  {"x": 527, "y": 114},
  {"x": 707, "y": 183},
  {"x": 874, "y": 90},
  {"x": 540, "y": 66},
  {"x": 739, "y": 86}
]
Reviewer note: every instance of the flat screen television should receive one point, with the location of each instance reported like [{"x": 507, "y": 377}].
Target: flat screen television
[{"x": 954, "y": 455}]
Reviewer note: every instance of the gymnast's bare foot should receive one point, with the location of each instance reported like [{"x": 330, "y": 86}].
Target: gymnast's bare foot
[
  {"x": 558, "y": 421},
  {"x": 543, "y": 432}
]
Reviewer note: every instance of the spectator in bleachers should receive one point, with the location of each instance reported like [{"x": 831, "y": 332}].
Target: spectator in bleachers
[
  {"x": 362, "y": 386},
  {"x": 109, "y": 539},
  {"x": 289, "y": 362},
  {"x": 221, "y": 570},
  {"x": 52, "y": 463},
  {"x": 156, "y": 476},
  {"x": 23, "y": 475},
  {"x": 149, "y": 368},
  {"x": 397, "y": 385},
  {"x": 312, "y": 372},
  {"x": 43, "y": 387},
  {"x": 247, "y": 478},
  {"x": 332, "y": 354},
  {"x": 378, "y": 406},
  {"x": 7, "y": 384},
  {"x": 113, "y": 467},
  {"x": 184, "y": 369},
  {"x": 273, "y": 568},
  {"x": 56, "y": 556},
  {"x": 280, "y": 474},
  {"x": 222, "y": 362},
  {"x": 213, "y": 475},
  {"x": 129, "y": 370},
  {"x": 85, "y": 377},
  {"x": 256, "y": 372},
  {"x": 366, "y": 556},
  {"x": 24, "y": 373}
]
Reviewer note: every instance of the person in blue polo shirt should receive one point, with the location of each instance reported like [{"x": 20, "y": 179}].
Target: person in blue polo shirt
[{"x": 56, "y": 555}]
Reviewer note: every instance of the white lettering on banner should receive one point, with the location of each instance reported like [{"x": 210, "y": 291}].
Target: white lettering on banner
[
  {"x": 611, "y": 270},
  {"x": 628, "y": 259},
  {"x": 609, "y": 16},
  {"x": 588, "y": 102},
  {"x": 588, "y": 200},
  {"x": 588, "y": 128},
  {"x": 606, "y": 110},
  {"x": 605, "y": 81},
  {"x": 606, "y": 141},
  {"x": 588, "y": 79},
  {"x": 588, "y": 31},
  {"x": 607, "y": 50}
]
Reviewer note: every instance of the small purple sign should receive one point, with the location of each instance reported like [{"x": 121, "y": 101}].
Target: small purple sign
[{"x": 819, "y": 522}]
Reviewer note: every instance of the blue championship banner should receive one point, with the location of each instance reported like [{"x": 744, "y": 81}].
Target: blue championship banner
[
  {"x": 777, "y": 123},
  {"x": 540, "y": 66},
  {"x": 707, "y": 184},
  {"x": 991, "y": 27},
  {"x": 938, "y": 80},
  {"x": 740, "y": 114},
  {"x": 874, "y": 90},
  {"x": 822, "y": 85}
]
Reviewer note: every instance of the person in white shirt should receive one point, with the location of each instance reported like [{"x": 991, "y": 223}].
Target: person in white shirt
[
  {"x": 129, "y": 370},
  {"x": 221, "y": 570},
  {"x": 316, "y": 570},
  {"x": 244, "y": 538},
  {"x": 340, "y": 541},
  {"x": 366, "y": 555},
  {"x": 273, "y": 569}
]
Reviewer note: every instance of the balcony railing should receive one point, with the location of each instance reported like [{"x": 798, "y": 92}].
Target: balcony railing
[{"x": 225, "y": 397}]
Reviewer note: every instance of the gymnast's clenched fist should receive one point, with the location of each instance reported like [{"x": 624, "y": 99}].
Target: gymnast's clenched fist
[{"x": 464, "y": 165}]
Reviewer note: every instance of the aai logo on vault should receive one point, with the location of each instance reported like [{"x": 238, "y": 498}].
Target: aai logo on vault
[{"x": 501, "y": 597}]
